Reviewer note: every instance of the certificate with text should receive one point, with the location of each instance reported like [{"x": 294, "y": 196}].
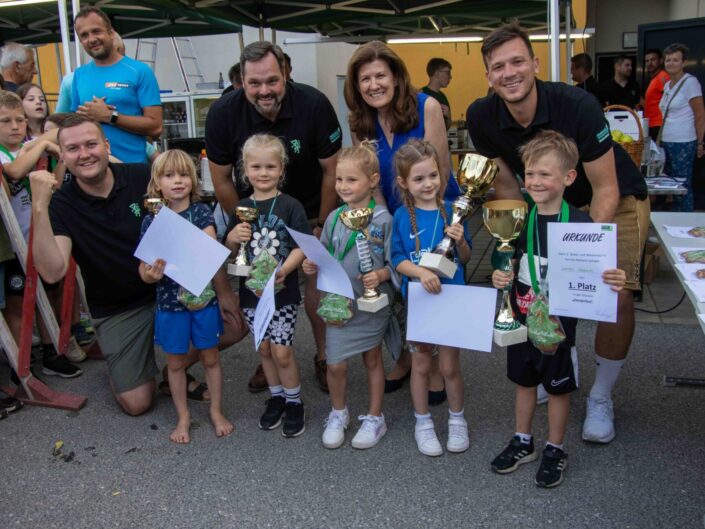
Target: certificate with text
[{"x": 578, "y": 254}]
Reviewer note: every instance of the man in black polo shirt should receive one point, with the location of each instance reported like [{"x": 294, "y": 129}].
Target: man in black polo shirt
[
  {"x": 96, "y": 218},
  {"x": 621, "y": 89},
  {"x": 608, "y": 182},
  {"x": 581, "y": 72},
  {"x": 305, "y": 120}
]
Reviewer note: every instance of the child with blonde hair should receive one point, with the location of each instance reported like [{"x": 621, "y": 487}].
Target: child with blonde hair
[
  {"x": 268, "y": 242},
  {"x": 418, "y": 227},
  {"x": 357, "y": 177},
  {"x": 183, "y": 319}
]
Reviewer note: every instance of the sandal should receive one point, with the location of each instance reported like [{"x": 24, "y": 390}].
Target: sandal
[{"x": 198, "y": 393}]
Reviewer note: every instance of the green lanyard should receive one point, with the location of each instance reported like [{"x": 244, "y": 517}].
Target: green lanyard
[
  {"x": 23, "y": 182},
  {"x": 562, "y": 217},
  {"x": 353, "y": 235},
  {"x": 271, "y": 208},
  {"x": 8, "y": 153}
]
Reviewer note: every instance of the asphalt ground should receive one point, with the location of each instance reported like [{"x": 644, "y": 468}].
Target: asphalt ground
[{"x": 120, "y": 471}]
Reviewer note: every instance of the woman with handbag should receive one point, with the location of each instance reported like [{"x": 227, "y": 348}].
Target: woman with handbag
[{"x": 683, "y": 123}]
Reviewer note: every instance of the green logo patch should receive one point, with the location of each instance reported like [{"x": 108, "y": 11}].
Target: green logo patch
[
  {"x": 295, "y": 146},
  {"x": 603, "y": 134},
  {"x": 335, "y": 136},
  {"x": 135, "y": 208},
  {"x": 606, "y": 227}
]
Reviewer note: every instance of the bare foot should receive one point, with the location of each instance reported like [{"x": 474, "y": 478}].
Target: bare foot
[
  {"x": 221, "y": 425},
  {"x": 180, "y": 435}
]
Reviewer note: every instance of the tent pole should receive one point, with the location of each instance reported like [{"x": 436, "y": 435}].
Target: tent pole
[
  {"x": 75, "y": 8},
  {"x": 554, "y": 40},
  {"x": 65, "y": 36},
  {"x": 568, "y": 41},
  {"x": 241, "y": 40}
]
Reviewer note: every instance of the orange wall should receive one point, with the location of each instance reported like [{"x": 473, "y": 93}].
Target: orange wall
[{"x": 469, "y": 80}]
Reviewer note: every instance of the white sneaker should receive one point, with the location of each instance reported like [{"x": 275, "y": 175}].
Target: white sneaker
[
  {"x": 336, "y": 423},
  {"x": 370, "y": 432},
  {"x": 458, "y": 438},
  {"x": 426, "y": 439},
  {"x": 75, "y": 353},
  {"x": 541, "y": 394},
  {"x": 599, "y": 421}
]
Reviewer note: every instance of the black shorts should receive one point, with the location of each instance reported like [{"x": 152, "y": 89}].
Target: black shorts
[
  {"x": 529, "y": 367},
  {"x": 15, "y": 279}
]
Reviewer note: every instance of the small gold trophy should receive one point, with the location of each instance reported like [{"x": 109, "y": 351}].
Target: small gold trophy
[
  {"x": 357, "y": 220},
  {"x": 504, "y": 219},
  {"x": 153, "y": 205},
  {"x": 475, "y": 175},
  {"x": 241, "y": 267}
]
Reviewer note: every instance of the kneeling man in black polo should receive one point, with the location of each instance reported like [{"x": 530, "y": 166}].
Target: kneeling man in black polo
[{"x": 96, "y": 218}]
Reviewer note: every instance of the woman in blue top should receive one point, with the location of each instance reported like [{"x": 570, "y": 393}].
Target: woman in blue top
[{"x": 384, "y": 107}]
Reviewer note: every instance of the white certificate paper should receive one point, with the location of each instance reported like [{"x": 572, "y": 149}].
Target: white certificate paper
[
  {"x": 681, "y": 232},
  {"x": 331, "y": 275},
  {"x": 192, "y": 257},
  {"x": 680, "y": 250},
  {"x": 578, "y": 254},
  {"x": 460, "y": 316},
  {"x": 690, "y": 270},
  {"x": 264, "y": 310}
]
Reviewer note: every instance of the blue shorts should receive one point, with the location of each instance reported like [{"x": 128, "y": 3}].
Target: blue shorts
[{"x": 174, "y": 331}]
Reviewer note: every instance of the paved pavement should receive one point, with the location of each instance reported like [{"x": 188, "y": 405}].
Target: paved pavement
[{"x": 124, "y": 472}]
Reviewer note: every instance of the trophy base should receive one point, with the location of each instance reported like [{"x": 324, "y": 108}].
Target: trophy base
[
  {"x": 239, "y": 270},
  {"x": 372, "y": 304},
  {"x": 513, "y": 337},
  {"x": 439, "y": 265}
]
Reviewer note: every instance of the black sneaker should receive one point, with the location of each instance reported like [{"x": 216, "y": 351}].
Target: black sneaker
[
  {"x": 57, "y": 365},
  {"x": 9, "y": 405},
  {"x": 553, "y": 463},
  {"x": 516, "y": 453},
  {"x": 294, "y": 419},
  {"x": 272, "y": 416}
]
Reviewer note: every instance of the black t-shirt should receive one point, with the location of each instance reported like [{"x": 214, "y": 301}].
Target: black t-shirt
[
  {"x": 613, "y": 93},
  {"x": 269, "y": 235},
  {"x": 523, "y": 294},
  {"x": 306, "y": 123},
  {"x": 104, "y": 234},
  {"x": 566, "y": 109},
  {"x": 590, "y": 85}
]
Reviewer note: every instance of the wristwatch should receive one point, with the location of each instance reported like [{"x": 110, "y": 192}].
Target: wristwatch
[{"x": 114, "y": 117}]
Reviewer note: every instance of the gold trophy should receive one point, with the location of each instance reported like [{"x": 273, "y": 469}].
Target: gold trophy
[
  {"x": 357, "y": 220},
  {"x": 475, "y": 175},
  {"x": 504, "y": 219},
  {"x": 241, "y": 267},
  {"x": 154, "y": 205}
]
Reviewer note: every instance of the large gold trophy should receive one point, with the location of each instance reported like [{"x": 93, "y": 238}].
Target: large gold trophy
[
  {"x": 357, "y": 220},
  {"x": 241, "y": 267},
  {"x": 504, "y": 219},
  {"x": 154, "y": 205},
  {"x": 475, "y": 176}
]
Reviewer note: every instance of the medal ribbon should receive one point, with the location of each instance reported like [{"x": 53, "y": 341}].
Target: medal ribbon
[{"x": 562, "y": 217}]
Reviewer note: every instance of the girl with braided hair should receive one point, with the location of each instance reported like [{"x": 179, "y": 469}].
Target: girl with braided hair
[{"x": 418, "y": 226}]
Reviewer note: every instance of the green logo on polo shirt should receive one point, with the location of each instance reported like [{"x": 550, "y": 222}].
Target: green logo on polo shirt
[
  {"x": 335, "y": 136},
  {"x": 135, "y": 208},
  {"x": 603, "y": 134},
  {"x": 295, "y": 146}
]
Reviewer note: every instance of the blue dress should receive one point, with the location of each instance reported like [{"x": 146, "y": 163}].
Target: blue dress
[{"x": 385, "y": 153}]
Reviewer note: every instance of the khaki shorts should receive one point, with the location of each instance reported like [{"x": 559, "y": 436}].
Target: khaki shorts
[
  {"x": 632, "y": 220},
  {"x": 127, "y": 342}
]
